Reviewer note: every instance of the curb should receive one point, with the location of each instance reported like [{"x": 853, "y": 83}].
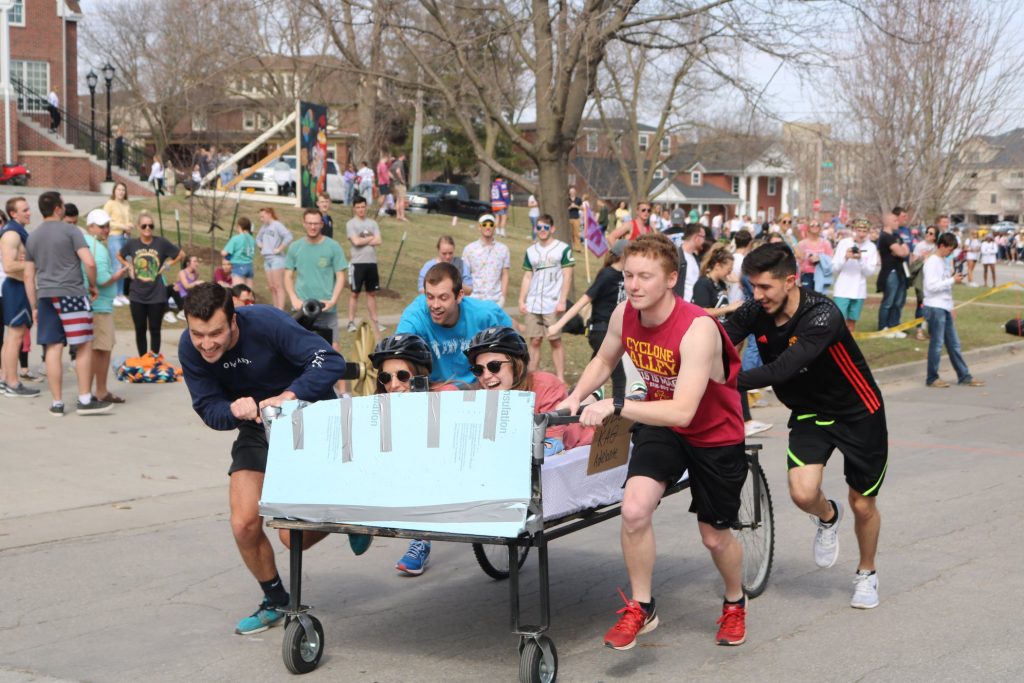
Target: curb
[{"x": 918, "y": 368}]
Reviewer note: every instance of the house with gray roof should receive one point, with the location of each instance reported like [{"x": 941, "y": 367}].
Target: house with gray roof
[{"x": 990, "y": 179}]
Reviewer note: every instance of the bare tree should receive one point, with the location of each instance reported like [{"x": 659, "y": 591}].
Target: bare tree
[{"x": 922, "y": 79}]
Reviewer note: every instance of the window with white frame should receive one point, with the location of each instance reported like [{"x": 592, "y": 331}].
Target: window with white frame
[
  {"x": 771, "y": 214},
  {"x": 735, "y": 184},
  {"x": 666, "y": 145},
  {"x": 645, "y": 141},
  {"x": 199, "y": 121},
  {"x": 16, "y": 15},
  {"x": 572, "y": 179},
  {"x": 696, "y": 178},
  {"x": 592, "y": 141},
  {"x": 248, "y": 120},
  {"x": 35, "y": 76},
  {"x": 773, "y": 184},
  {"x": 659, "y": 174}
]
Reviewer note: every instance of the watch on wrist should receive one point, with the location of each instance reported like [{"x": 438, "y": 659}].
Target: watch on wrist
[{"x": 618, "y": 402}]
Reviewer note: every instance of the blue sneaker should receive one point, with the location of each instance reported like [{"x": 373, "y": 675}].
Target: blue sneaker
[
  {"x": 359, "y": 543},
  {"x": 415, "y": 559},
  {"x": 553, "y": 445},
  {"x": 264, "y": 617}
]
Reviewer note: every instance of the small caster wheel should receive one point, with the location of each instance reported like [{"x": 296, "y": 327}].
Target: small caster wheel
[
  {"x": 301, "y": 652},
  {"x": 538, "y": 661}
]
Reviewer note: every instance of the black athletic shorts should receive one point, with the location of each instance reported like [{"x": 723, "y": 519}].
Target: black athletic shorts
[
  {"x": 365, "y": 277},
  {"x": 716, "y": 474},
  {"x": 249, "y": 451},
  {"x": 864, "y": 444}
]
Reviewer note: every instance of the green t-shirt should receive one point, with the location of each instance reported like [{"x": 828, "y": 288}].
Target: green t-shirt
[
  {"x": 241, "y": 249},
  {"x": 316, "y": 267}
]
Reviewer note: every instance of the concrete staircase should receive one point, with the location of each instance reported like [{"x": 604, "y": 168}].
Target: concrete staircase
[{"x": 56, "y": 164}]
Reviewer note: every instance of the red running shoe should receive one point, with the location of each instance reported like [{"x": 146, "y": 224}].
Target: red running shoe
[
  {"x": 634, "y": 621},
  {"x": 732, "y": 624}
]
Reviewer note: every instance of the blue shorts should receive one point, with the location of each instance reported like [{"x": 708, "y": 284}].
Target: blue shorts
[
  {"x": 850, "y": 308},
  {"x": 242, "y": 269},
  {"x": 273, "y": 262},
  {"x": 16, "y": 310},
  {"x": 499, "y": 212}
]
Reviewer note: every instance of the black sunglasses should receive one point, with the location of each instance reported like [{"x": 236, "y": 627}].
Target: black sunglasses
[
  {"x": 644, "y": 210},
  {"x": 402, "y": 375},
  {"x": 143, "y": 226},
  {"x": 492, "y": 367}
]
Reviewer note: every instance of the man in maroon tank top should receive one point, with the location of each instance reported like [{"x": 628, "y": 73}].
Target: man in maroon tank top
[{"x": 690, "y": 420}]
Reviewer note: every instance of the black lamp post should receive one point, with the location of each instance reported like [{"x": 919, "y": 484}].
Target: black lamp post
[
  {"x": 91, "y": 79},
  {"x": 108, "y": 76}
]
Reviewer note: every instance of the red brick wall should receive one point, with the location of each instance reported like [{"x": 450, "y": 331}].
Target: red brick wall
[{"x": 40, "y": 40}]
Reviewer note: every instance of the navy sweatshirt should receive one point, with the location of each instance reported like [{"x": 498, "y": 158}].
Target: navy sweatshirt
[{"x": 273, "y": 354}]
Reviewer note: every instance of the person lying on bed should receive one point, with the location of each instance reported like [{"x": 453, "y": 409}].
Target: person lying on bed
[{"x": 498, "y": 357}]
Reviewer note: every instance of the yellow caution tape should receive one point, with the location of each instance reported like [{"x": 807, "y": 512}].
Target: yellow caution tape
[{"x": 918, "y": 321}]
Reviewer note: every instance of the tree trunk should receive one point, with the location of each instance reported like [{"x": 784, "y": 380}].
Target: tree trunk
[{"x": 554, "y": 195}]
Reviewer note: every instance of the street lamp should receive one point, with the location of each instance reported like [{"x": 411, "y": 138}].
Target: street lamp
[
  {"x": 108, "y": 76},
  {"x": 92, "y": 79}
]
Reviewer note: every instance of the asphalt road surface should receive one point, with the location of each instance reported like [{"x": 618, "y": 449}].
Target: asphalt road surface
[{"x": 117, "y": 564}]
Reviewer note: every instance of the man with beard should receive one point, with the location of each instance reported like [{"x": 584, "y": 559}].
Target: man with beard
[{"x": 819, "y": 373}]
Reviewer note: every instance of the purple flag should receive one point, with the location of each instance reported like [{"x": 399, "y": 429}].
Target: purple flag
[{"x": 592, "y": 233}]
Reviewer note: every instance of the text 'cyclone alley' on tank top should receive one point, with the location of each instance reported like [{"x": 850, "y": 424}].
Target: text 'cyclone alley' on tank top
[{"x": 655, "y": 353}]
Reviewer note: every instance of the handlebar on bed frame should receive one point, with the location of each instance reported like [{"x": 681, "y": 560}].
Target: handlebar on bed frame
[{"x": 556, "y": 417}]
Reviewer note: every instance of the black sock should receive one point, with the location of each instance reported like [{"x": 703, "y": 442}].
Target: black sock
[
  {"x": 275, "y": 592},
  {"x": 741, "y": 601},
  {"x": 835, "y": 515},
  {"x": 648, "y": 606},
  {"x": 865, "y": 572}
]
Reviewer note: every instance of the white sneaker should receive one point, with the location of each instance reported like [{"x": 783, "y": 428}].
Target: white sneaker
[
  {"x": 169, "y": 317},
  {"x": 755, "y": 427},
  {"x": 181, "y": 315},
  {"x": 120, "y": 301},
  {"x": 351, "y": 326},
  {"x": 865, "y": 591},
  {"x": 826, "y": 540},
  {"x": 893, "y": 335}
]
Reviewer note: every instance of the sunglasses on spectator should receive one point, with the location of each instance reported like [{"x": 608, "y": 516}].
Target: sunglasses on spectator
[
  {"x": 543, "y": 226},
  {"x": 644, "y": 210},
  {"x": 403, "y": 376},
  {"x": 488, "y": 224},
  {"x": 145, "y": 226},
  {"x": 492, "y": 367}
]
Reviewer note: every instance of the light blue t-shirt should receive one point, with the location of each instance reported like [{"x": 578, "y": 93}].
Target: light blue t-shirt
[
  {"x": 447, "y": 344},
  {"x": 105, "y": 301},
  {"x": 241, "y": 249}
]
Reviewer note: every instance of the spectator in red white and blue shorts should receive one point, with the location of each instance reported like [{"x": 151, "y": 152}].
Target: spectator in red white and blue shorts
[{"x": 54, "y": 257}]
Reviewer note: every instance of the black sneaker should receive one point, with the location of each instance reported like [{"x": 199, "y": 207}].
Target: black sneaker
[
  {"x": 57, "y": 410},
  {"x": 93, "y": 407}
]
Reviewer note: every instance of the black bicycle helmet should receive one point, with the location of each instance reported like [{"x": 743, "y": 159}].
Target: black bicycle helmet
[
  {"x": 408, "y": 347},
  {"x": 498, "y": 340}
]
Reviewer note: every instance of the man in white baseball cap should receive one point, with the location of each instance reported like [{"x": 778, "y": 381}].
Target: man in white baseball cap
[
  {"x": 97, "y": 226},
  {"x": 489, "y": 261}
]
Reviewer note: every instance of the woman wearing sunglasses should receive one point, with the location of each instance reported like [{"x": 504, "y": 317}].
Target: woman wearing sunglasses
[
  {"x": 398, "y": 359},
  {"x": 498, "y": 358},
  {"x": 147, "y": 258}
]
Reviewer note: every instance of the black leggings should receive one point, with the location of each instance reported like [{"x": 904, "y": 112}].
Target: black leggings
[
  {"x": 595, "y": 339},
  {"x": 147, "y": 315}
]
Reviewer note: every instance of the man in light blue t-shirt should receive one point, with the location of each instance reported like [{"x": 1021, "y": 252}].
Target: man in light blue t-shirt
[
  {"x": 97, "y": 231},
  {"x": 448, "y": 320}
]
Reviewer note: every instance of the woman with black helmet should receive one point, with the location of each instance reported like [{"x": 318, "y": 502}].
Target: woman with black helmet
[
  {"x": 498, "y": 358},
  {"x": 402, "y": 361}
]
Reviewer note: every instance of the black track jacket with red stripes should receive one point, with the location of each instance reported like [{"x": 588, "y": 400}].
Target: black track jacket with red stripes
[{"x": 812, "y": 361}]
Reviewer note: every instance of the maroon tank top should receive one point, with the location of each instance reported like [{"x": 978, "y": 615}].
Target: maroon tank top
[{"x": 655, "y": 353}]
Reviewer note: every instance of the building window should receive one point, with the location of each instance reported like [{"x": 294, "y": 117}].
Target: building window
[
  {"x": 16, "y": 15},
  {"x": 992, "y": 199},
  {"x": 532, "y": 173},
  {"x": 199, "y": 121},
  {"x": 666, "y": 145},
  {"x": 735, "y": 184},
  {"x": 771, "y": 214},
  {"x": 572, "y": 179},
  {"x": 645, "y": 141},
  {"x": 592, "y": 142},
  {"x": 659, "y": 174},
  {"x": 35, "y": 77},
  {"x": 696, "y": 178},
  {"x": 772, "y": 186},
  {"x": 248, "y": 120}
]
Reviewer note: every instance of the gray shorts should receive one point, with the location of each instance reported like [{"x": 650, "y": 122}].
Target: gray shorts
[
  {"x": 273, "y": 261},
  {"x": 328, "y": 320}
]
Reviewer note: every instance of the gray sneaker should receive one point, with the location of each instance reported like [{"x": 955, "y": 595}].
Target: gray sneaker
[
  {"x": 351, "y": 326},
  {"x": 826, "y": 540},
  {"x": 19, "y": 390},
  {"x": 865, "y": 591},
  {"x": 57, "y": 410},
  {"x": 93, "y": 407}
]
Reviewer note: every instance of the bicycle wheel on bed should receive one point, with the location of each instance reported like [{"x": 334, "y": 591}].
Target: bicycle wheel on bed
[
  {"x": 493, "y": 559},
  {"x": 756, "y": 530}
]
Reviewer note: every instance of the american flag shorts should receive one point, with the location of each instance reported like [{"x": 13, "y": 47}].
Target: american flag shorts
[{"x": 75, "y": 315}]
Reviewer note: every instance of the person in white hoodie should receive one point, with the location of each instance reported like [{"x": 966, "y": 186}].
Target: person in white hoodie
[
  {"x": 855, "y": 259},
  {"x": 938, "y": 311}
]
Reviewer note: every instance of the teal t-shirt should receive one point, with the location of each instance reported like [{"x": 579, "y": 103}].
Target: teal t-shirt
[
  {"x": 241, "y": 249},
  {"x": 105, "y": 302},
  {"x": 316, "y": 267}
]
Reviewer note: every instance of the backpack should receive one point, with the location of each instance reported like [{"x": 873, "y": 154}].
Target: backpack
[{"x": 1015, "y": 327}]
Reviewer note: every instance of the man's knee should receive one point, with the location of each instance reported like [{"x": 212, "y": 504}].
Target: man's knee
[
  {"x": 247, "y": 529},
  {"x": 716, "y": 540},
  {"x": 535, "y": 342},
  {"x": 863, "y": 508},
  {"x": 804, "y": 494},
  {"x": 636, "y": 515}
]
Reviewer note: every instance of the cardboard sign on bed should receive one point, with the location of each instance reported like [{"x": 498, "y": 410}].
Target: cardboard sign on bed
[{"x": 455, "y": 461}]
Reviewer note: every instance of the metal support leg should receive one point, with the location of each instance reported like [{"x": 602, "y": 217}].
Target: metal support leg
[
  {"x": 295, "y": 571},
  {"x": 545, "y": 589},
  {"x": 513, "y": 585}
]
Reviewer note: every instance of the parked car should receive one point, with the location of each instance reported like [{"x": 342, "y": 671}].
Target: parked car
[
  {"x": 263, "y": 180},
  {"x": 446, "y": 198},
  {"x": 1004, "y": 226}
]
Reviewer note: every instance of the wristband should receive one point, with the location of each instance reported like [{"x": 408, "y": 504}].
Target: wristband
[{"x": 618, "y": 402}]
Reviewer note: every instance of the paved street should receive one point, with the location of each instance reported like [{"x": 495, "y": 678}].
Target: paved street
[{"x": 118, "y": 565}]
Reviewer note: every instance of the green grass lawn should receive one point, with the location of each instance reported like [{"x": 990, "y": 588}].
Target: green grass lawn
[{"x": 978, "y": 326}]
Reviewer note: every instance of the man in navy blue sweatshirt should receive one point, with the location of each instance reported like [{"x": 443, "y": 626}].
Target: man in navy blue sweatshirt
[{"x": 236, "y": 362}]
